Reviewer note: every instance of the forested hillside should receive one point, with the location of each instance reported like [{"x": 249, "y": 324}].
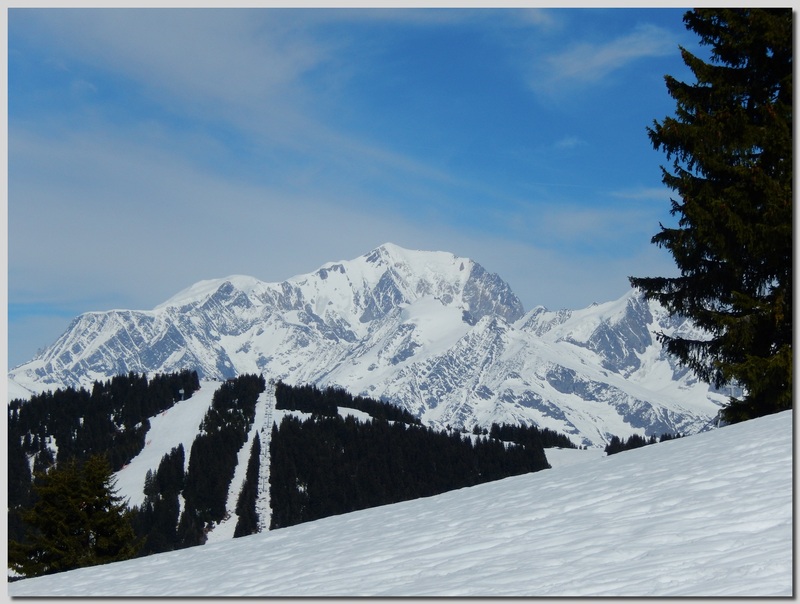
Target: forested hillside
[
  {"x": 710, "y": 515},
  {"x": 204, "y": 486},
  {"x": 322, "y": 459},
  {"x": 69, "y": 424},
  {"x": 327, "y": 464}
]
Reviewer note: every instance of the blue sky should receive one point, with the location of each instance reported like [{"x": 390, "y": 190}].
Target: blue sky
[{"x": 150, "y": 149}]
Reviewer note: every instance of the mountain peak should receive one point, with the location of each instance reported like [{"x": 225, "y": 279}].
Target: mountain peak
[
  {"x": 386, "y": 251},
  {"x": 430, "y": 331},
  {"x": 419, "y": 262}
]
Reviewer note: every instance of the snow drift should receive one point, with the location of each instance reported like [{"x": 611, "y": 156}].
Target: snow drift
[{"x": 706, "y": 515}]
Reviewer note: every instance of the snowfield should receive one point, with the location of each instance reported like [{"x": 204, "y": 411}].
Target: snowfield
[
  {"x": 431, "y": 332},
  {"x": 177, "y": 425},
  {"x": 706, "y": 515}
]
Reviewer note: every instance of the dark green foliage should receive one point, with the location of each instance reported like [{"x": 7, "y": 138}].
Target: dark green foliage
[
  {"x": 285, "y": 488},
  {"x": 247, "y": 522},
  {"x": 633, "y": 442},
  {"x": 328, "y": 465},
  {"x": 112, "y": 420},
  {"x": 157, "y": 519},
  {"x": 214, "y": 454},
  {"x": 191, "y": 529},
  {"x": 43, "y": 460},
  {"x": 310, "y": 399},
  {"x": 616, "y": 444},
  {"x": 19, "y": 486},
  {"x": 76, "y": 520},
  {"x": 19, "y": 473},
  {"x": 730, "y": 143},
  {"x": 306, "y": 399},
  {"x": 531, "y": 436}
]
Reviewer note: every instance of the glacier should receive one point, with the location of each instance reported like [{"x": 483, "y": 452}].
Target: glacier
[{"x": 430, "y": 331}]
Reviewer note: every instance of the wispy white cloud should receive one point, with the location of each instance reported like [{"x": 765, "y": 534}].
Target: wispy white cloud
[
  {"x": 659, "y": 194},
  {"x": 587, "y": 62},
  {"x": 133, "y": 209},
  {"x": 195, "y": 56},
  {"x": 442, "y": 15},
  {"x": 245, "y": 70},
  {"x": 583, "y": 229},
  {"x": 569, "y": 142},
  {"x": 81, "y": 88},
  {"x": 539, "y": 17}
]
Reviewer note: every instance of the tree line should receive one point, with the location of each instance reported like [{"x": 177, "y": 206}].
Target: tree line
[
  {"x": 530, "y": 436},
  {"x": 67, "y": 514},
  {"x": 326, "y": 465},
  {"x": 308, "y": 398},
  {"x": 110, "y": 420},
  {"x": 214, "y": 454},
  {"x": 634, "y": 441},
  {"x": 67, "y": 425}
]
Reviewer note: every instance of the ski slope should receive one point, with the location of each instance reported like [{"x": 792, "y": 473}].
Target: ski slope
[{"x": 706, "y": 515}]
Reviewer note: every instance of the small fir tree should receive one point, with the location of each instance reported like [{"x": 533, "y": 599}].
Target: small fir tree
[{"x": 77, "y": 520}]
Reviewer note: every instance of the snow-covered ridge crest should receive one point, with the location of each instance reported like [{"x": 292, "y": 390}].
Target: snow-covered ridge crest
[
  {"x": 342, "y": 299},
  {"x": 203, "y": 289},
  {"x": 430, "y": 331},
  {"x": 387, "y": 276},
  {"x": 365, "y": 271}
]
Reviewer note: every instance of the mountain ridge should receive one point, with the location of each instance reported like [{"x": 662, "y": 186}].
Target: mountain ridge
[{"x": 430, "y": 331}]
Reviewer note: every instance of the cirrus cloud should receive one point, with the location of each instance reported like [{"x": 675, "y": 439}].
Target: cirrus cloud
[{"x": 587, "y": 62}]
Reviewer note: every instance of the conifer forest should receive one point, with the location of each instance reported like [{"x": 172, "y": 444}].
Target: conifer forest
[{"x": 323, "y": 461}]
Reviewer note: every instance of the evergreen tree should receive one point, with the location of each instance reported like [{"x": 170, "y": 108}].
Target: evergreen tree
[
  {"x": 214, "y": 455},
  {"x": 19, "y": 485},
  {"x": 730, "y": 143},
  {"x": 191, "y": 529},
  {"x": 332, "y": 465},
  {"x": 76, "y": 520},
  {"x": 19, "y": 472},
  {"x": 111, "y": 536},
  {"x": 157, "y": 519},
  {"x": 615, "y": 445},
  {"x": 247, "y": 522}
]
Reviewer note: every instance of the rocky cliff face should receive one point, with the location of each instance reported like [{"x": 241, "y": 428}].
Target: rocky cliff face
[{"x": 430, "y": 331}]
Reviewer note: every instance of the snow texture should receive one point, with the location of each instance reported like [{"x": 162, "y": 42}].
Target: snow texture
[
  {"x": 706, "y": 515},
  {"x": 431, "y": 332},
  {"x": 178, "y": 425}
]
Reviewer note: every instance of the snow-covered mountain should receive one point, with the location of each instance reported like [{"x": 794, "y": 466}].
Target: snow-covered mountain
[
  {"x": 708, "y": 515},
  {"x": 430, "y": 331}
]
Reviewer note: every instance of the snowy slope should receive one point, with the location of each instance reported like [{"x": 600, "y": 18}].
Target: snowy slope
[
  {"x": 707, "y": 515},
  {"x": 428, "y": 331},
  {"x": 178, "y": 425}
]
